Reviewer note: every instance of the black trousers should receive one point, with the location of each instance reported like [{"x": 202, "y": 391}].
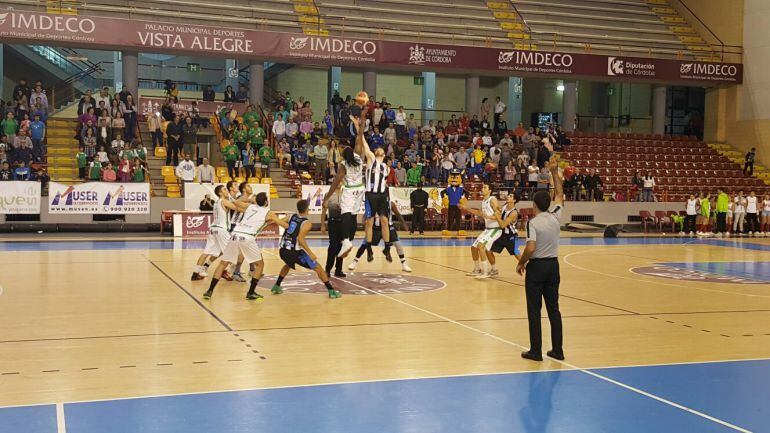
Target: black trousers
[
  {"x": 418, "y": 219},
  {"x": 172, "y": 152},
  {"x": 542, "y": 282},
  {"x": 689, "y": 223},
  {"x": 748, "y": 168},
  {"x": 453, "y": 218},
  {"x": 721, "y": 222},
  {"x": 336, "y": 235},
  {"x": 752, "y": 222}
]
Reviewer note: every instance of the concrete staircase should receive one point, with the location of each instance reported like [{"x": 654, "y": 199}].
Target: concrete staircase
[
  {"x": 738, "y": 158},
  {"x": 511, "y": 23},
  {"x": 683, "y": 30},
  {"x": 62, "y": 147}
]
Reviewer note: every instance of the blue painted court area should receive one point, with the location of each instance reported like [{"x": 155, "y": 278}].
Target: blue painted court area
[
  {"x": 752, "y": 270},
  {"x": 565, "y": 401},
  {"x": 170, "y": 244}
]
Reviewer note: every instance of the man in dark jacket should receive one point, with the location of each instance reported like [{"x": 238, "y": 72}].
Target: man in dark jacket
[
  {"x": 208, "y": 94},
  {"x": 418, "y": 201},
  {"x": 173, "y": 141}
]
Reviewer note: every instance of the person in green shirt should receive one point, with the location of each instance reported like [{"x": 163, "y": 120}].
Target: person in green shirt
[
  {"x": 10, "y": 126},
  {"x": 266, "y": 156},
  {"x": 256, "y": 136},
  {"x": 241, "y": 136},
  {"x": 723, "y": 202},
  {"x": 251, "y": 117},
  {"x": 231, "y": 157},
  {"x": 139, "y": 173},
  {"x": 95, "y": 171},
  {"x": 414, "y": 175},
  {"x": 141, "y": 153},
  {"x": 82, "y": 161}
]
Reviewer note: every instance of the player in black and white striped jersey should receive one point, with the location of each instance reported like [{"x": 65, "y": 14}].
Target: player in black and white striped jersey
[{"x": 377, "y": 201}]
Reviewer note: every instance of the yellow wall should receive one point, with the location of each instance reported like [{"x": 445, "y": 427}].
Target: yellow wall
[
  {"x": 450, "y": 92},
  {"x": 312, "y": 83}
]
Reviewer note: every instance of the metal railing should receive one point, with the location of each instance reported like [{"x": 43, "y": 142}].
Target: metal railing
[
  {"x": 724, "y": 49},
  {"x": 524, "y": 21}
]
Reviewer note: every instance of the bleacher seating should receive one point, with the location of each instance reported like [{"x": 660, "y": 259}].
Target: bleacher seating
[{"x": 680, "y": 165}]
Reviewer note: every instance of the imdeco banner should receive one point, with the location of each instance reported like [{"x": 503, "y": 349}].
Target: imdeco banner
[
  {"x": 99, "y": 198},
  {"x": 161, "y": 37}
]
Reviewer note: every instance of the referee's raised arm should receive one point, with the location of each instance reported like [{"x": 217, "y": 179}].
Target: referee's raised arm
[{"x": 541, "y": 264}]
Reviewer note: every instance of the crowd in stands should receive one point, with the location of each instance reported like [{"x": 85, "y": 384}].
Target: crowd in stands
[
  {"x": 110, "y": 149},
  {"x": 23, "y": 132}
]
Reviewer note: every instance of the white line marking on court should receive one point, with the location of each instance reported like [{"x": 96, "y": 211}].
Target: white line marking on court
[
  {"x": 61, "y": 424},
  {"x": 566, "y": 364},
  {"x": 1, "y": 290},
  {"x": 652, "y": 281}
]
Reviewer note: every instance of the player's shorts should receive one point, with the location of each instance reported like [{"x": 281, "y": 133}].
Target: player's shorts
[
  {"x": 217, "y": 241},
  {"x": 297, "y": 257},
  {"x": 377, "y": 204},
  {"x": 241, "y": 244},
  {"x": 505, "y": 242},
  {"x": 766, "y": 213},
  {"x": 488, "y": 237},
  {"x": 352, "y": 199},
  {"x": 377, "y": 235}
]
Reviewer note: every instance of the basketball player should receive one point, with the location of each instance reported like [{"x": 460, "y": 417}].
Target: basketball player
[
  {"x": 691, "y": 208},
  {"x": 491, "y": 233},
  {"x": 765, "y": 216},
  {"x": 256, "y": 216},
  {"x": 704, "y": 215},
  {"x": 231, "y": 190},
  {"x": 350, "y": 180},
  {"x": 235, "y": 217},
  {"x": 219, "y": 234},
  {"x": 377, "y": 202},
  {"x": 508, "y": 218},
  {"x": 752, "y": 208},
  {"x": 295, "y": 251},
  {"x": 377, "y": 237},
  {"x": 331, "y": 220}
]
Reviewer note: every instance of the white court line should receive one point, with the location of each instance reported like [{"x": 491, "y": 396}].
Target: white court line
[
  {"x": 651, "y": 281},
  {"x": 566, "y": 364},
  {"x": 61, "y": 424}
]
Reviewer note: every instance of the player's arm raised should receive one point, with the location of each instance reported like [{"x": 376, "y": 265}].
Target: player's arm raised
[
  {"x": 558, "y": 182},
  {"x": 303, "y": 231}
]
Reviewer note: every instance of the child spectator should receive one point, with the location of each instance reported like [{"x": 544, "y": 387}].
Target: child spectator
[
  {"x": 22, "y": 172},
  {"x": 82, "y": 161},
  {"x": 95, "y": 170},
  {"x": 124, "y": 169},
  {"x": 231, "y": 157},
  {"x": 108, "y": 173},
  {"x": 5, "y": 172}
]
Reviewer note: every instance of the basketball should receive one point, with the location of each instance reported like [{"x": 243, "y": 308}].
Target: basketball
[
  {"x": 490, "y": 167},
  {"x": 569, "y": 172},
  {"x": 362, "y": 98}
]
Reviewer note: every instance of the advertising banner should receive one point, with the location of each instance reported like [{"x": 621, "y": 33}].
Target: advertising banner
[
  {"x": 17, "y": 197},
  {"x": 99, "y": 198},
  {"x": 194, "y": 192},
  {"x": 314, "y": 194},
  {"x": 159, "y": 37},
  {"x": 400, "y": 196},
  {"x": 197, "y": 224}
]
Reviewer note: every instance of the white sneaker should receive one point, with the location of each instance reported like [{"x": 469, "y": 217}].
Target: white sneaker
[
  {"x": 346, "y": 247},
  {"x": 692, "y": 234},
  {"x": 352, "y": 266},
  {"x": 474, "y": 273},
  {"x": 681, "y": 233},
  {"x": 203, "y": 273},
  {"x": 494, "y": 272},
  {"x": 751, "y": 234},
  {"x": 482, "y": 276},
  {"x": 405, "y": 267}
]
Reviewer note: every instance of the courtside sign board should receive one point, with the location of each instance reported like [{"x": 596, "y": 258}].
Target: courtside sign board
[
  {"x": 19, "y": 197},
  {"x": 99, "y": 198}
]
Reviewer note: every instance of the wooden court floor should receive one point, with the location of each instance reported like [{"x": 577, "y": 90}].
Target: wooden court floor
[{"x": 90, "y": 321}]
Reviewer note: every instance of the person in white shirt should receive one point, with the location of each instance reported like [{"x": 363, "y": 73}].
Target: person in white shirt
[
  {"x": 206, "y": 172},
  {"x": 739, "y": 213},
  {"x": 487, "y": 139},
  {"x": 185, "y": 171},
  {"x": 104, "y": 96},
  {"x": 499, "y": 110},
  {"x": 279, "y": 128},
  {"x": 765, "y": 228},
  {"x": 401, "y": 123},
  {"x": 691, "y": 207},
  {"x": 752, "y": 213},
  {"x": 648, "y": 183}
]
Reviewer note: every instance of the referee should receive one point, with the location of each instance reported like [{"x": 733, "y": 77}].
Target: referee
[
  {"x": 540, "y": 260},
  {"x": 331, "y": 220}
]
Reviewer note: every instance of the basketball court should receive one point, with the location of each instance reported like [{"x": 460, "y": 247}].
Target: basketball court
[{"x": 661, "y": 334}]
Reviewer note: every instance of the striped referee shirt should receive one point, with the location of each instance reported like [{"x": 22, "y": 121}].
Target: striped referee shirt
[{"x": 377, "y": 177}]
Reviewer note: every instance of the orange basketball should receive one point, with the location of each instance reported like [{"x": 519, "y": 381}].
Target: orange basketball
[
  {"x": 569, "y": 172},
  {"x": 362, "y": 98}
]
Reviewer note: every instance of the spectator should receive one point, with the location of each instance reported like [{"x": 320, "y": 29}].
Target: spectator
[
  {"x": 38, "y": 93},
  {"x": 82, "y": 162},
  {"x": 123, "y": 95},
  {"x": 104, "y": 96},
  {"x": 242, "y": 95},
  {"x": 167, "y": 110},
  {"x": 207, "y": 204},
  {"x": 9, "y": 125},
  {"x": 648, "y": 183},
  {"x": 208, "y": 94},
  {"x": 284, "y": 152},
  {"x": 229, "y": 94},
  {"x": 532, "y": 176},
  {"x": 173, "y": 141},
  {"x": 37, "y": 135},
  {"x": 115, "y": 110},
  {"x": 593, "y": 186},
  {"x": 576, "y": 183},
  {"x": 251, "y": 117},
  {"x": 248, "y": 157},
  {"x": 636, "y": 186},
  {"x": 108, "y": 173},
  {"x": 400, "y": 173},
  {"x": 279, "y": 128},
  {"x": 190, "y": 138},
  {"x": 414, "y": 175},
  {"x": 321, "y": 152},
  {"x": 95, "y": 170},
  {"x": 231, "y": 157},
  {"x": 154, "y": 126},
  {"x": 510, "y": 174},
  {"x": 86, "y": 102},
  {"x": 411, "y": 127},
  {"x": 519, "y": 133},
  {"x": 543, "y": 179},
  {"x": 485, "y": 110},
  {"x": 21, "y": 172},
  {"x": 185, "y": 171},
  {"x": 117, "y": 144},
  {"x": 461, "y": 158},
  {"x": 748, "y": 166},
  {"x": 265, "y": 158},
  {"x": 139, "y": 172},
  {"x": 103, "y": 128},
  {"x": 22, "y": 88},
  {"x": 102, "y": 156},
  {"x": 292, "y": 131},
  {"x": 38, "y": 109},
  {"x": 5, "y": 172},
  {"x": 206, "y": 172},
  {"x": 128, "y": 110},
  {"x": 300, "y": 158},
  {"x": 124, "y": 169}
]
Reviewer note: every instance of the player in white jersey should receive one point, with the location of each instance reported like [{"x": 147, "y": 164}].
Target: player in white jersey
[
  {"x": 350, "y": 180},
  {"x": 739, "y": 213},
  {"x": 219, "y": 233},
  {"x": 508, "y": 217},
  {"x": 691, "y": 209},
  {"x": 490, "y": 213},
  {"x": 752, "y": 213},
  {"x": 765, "y": 229},
  {"x": 256, "y": 216},
  {"x": 377, "y": 232},
  {"x": 234, "y": 271}
]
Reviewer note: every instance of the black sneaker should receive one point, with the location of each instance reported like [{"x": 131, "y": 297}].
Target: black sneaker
[
  {"x": 254, "y": 296},
  {"x": 555, "y": 355},
  {"x": 340, "y": 274},
  {"x": 532, "y": 356},
  {"x": 369, "y": 257},
  {"x": 386, "y": 252},
  {"x": 208, "y": 294},
  {"x": 197, "y": 277}
]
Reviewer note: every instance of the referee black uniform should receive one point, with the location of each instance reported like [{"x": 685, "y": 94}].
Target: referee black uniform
[
  {"x": 336, "y": 234},
  {"x": 542, "y": 276},
  {"x": 418, "y": 200}
]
